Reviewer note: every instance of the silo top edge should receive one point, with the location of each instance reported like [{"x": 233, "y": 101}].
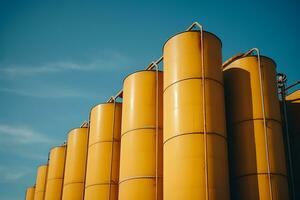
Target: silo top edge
[
  {"x": 210, "y": 33},
  {"x": 293, "y": 93},
  {"x": 139, "y": 71},
  {"x": 42, "y": 165},
  {"x": 70, "y": 131},
  {"x": 99, "y": 104},
  {"x": 228, "y": 62},
  {"x": 60, "y": 146}
]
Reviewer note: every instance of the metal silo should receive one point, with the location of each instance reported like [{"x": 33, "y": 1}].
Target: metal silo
[
  {"x": 30, "y": 193},
  {"x": 293, "y": 116},
  {"x": 257, "y": 156},
  {"x": 40, "y": 185},
  {"x": 195, "y": 143},
  {"x": 74, "y": 175},
  {"x": 102, "y": 175},
  {"x": 55, "y": 176},
  {"x": 141, "y": 138}
]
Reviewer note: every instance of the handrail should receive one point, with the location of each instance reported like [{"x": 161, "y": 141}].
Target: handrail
[
  {"x": 251, "y": 51},
  {"x": 85, "y": 124},
  {"x": 112, "y": 148},
  {"x": 196, "y": 24},
  {"x": 203, "y": 108},
  {"x": 292, "y": 85},
  {"x": 233, "y": 58},
  {"x": 156, "y": 129}
]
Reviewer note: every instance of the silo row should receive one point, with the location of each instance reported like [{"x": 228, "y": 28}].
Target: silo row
[
  {"x": 124, "y": 154},
  {"x": 141, "y": 160},
  {"x": 63, "y": 176}
]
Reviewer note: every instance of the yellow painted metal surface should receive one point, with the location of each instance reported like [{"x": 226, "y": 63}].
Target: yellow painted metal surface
[
  {"x": 195, "y": 158},
  {"x": 141, "y": 147},
  {"x": 55, "y": 173},
  {"x": 75, "y": 166},
  {"x": 293, "y": 97},
  {"x": 255, "y": 151},
  {"x": 30, "y": 193},
  {"x": 41, "y": 179},
  {"x": 102, "y": 175},
  {"x": 293, "y": 115}
]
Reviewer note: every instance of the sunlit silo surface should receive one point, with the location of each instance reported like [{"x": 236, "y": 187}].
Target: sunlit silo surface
[
  {"x": 75, "y": 166},
  {"x": 30, "y": 193},
  {"x": 55, "y": 176},
  {"x": 293, "y": 115},
  {"x": 198, "y": 130},
  {"x": 195, "y": 147},
  {"x": 141, "y": 138},
  {"x": 257, "y": 157},
  {"x": 102, "y": 176},
  {"x": 40, "y": 184}
]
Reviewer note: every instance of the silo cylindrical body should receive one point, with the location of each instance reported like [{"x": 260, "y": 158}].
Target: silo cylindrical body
[
  {"x": 55, "y": 176},
  {"x": 141, "y": 137},
  {"x": 257, "y": 157},
  {"x": 30, "y": 193},
  {"x": 102, "y": 175},
  {"x": 293, "y": 116},
  {"x": 40, "y": 184},
  {"x": 75, "y": 166},
  {"x": 195, "y": 144}
]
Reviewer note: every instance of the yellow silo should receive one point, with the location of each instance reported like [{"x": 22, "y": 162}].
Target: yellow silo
[
  {"x": 55, "y": 176},
  {"x": 30, "y": 193},
  {"x": 195, "y": 141},
  {"x": 293, "y": 115},
  {"x": 102, "y": 175},
  {"x": 257, "y": 156},
  {"x": 40, "y": 185},
  {"x": 141, "y": 138},
  {"x": 75, "y": 166}
]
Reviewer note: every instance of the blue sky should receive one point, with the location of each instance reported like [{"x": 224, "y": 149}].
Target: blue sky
[{"x": 59, "y": 58}]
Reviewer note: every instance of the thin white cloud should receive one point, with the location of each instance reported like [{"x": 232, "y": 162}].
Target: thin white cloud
[
  {"x": 53, "y": 93},
  {"x": 9, "y": 174},
  {"x": 22, "y": 139},
  {"x": 104, "y": 62},
  {"x": 22, "y": 135},
  {"x": 27, "y": 152}
]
